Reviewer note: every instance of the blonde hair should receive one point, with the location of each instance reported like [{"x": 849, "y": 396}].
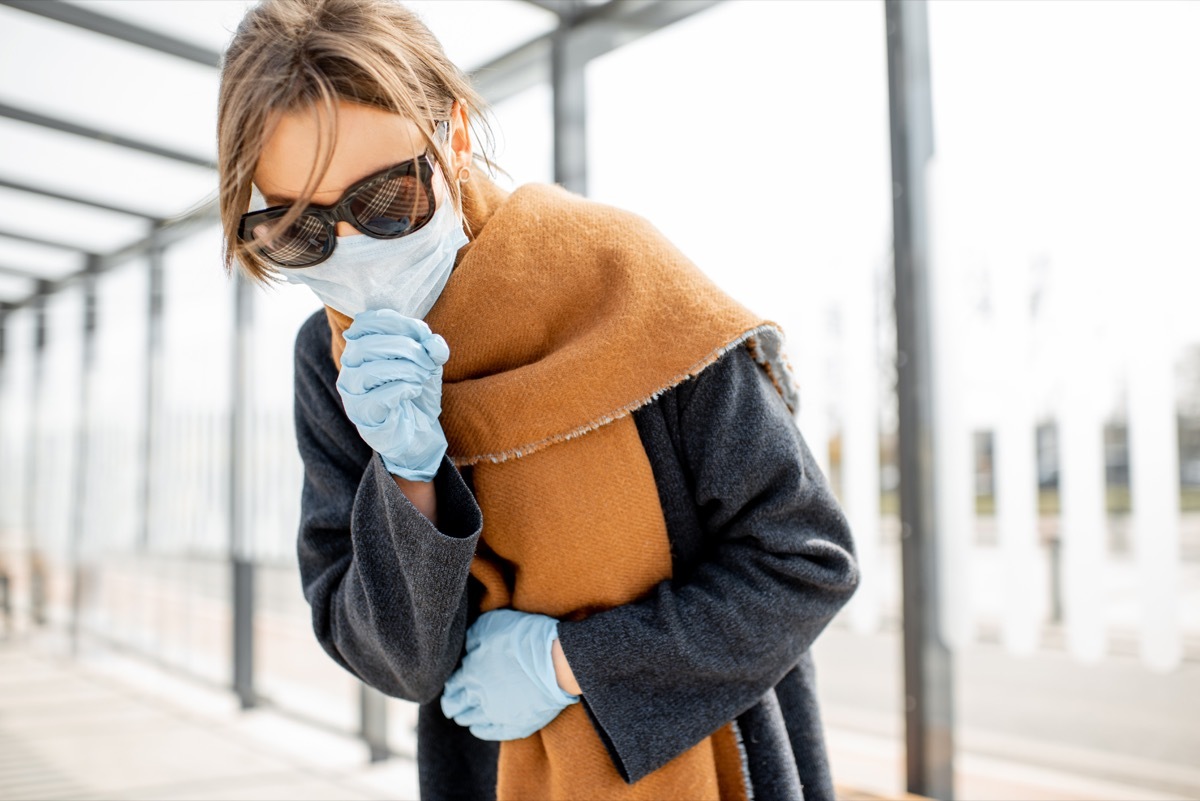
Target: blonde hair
[{"x": 291, "y": 55}]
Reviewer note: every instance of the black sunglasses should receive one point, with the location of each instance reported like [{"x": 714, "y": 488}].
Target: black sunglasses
[{"x": 389, "y": 204}]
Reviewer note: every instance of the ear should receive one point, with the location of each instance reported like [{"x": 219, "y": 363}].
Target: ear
[{"x": 460, "y": 137}]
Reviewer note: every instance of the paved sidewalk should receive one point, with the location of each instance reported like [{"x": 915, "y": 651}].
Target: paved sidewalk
[{"x": 108, "y": 726}]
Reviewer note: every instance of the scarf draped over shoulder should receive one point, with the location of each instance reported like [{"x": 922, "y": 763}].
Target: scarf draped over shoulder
[{"x": 563, "y": 315}]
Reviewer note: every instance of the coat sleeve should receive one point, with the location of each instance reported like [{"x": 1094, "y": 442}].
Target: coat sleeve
[
  {"x": 387, "y": 589},
  {"x": 660, "y": 674}
]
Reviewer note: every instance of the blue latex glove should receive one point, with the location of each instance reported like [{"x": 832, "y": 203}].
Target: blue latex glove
[
  {"x": 506, "y": 688},
  {"x": 391, "y": 388}
]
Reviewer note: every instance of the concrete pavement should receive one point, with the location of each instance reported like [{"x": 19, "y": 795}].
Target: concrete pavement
[{"x": 109, "y": 726}]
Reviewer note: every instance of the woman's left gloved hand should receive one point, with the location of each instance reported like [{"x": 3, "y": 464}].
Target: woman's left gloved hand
[{"x": 506, "y": 688}]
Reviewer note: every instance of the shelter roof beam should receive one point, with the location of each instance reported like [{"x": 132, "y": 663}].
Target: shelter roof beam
[
  {"x": 18, "y": 272},
  {"x": 80, "y": 17},
  {"x": 162, "y": 234},
  {"x": 595, "y": 30},
  {"x": 5, "y": 183},
  {"x": 37, "y": 240},
  {"x": 66, "y": 126}
]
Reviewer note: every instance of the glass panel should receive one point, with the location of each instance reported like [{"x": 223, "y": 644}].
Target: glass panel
[
  {"x": 769, "y": 174},
  {"x": 196, "y": 367},
  {"x": 40, "y": 260},
  {"x": 189, "y": 511},
  {"x": 117, "y": 408},
  {"x": 208, "y": 23},
  {"x": 16, "y": 409},
  {"x": 473, "y": 32},
  {"x": 402, "y": 726},
  {"x": 79, "y": 226},
  {"x": 1064, "y": 207},
  {"x": 293, "y": 669},
  {"x": 105, "y": 83},
  {"x": 55, "y": 419},
  {"x": 524, "y": 131},
  {"x": 77, "y": 166},
  {"x": 14, "y": 288},
  {"x": 121, "y": 598},
  {"x": 275, "y": 471}
]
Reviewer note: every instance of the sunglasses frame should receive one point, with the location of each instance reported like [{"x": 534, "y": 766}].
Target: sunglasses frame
[{"x": 422, "y": 165}]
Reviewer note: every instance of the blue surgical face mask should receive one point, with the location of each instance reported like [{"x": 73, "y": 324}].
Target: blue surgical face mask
[{"x": 405, "y": 274}]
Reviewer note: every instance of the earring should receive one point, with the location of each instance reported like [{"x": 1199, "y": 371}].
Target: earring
[{"x": 464, "y": 175}]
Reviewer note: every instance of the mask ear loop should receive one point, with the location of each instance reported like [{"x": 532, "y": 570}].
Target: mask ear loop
[
  {"x": 442, "y": 194},
  {"x": 442, "y": 134}
]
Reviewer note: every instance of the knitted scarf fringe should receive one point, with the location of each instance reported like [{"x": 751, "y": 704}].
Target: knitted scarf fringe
[{"x": 779, "y": 370}]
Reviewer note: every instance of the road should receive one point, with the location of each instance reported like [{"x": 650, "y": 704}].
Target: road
[{"x": 1114, "y": 720}]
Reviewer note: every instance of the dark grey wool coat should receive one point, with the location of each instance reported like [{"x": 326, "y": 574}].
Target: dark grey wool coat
[{"x": 762, "y": 558}]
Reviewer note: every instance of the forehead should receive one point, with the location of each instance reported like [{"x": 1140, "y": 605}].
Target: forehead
[{"x": 368, "y": 140}]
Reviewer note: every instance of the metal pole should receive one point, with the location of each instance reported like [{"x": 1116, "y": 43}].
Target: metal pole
[
  {"x": 239, "y": 550},
  {"x": 37, "y": 566},
  {"x": 6, "y": 603},
  {"x": 79, "y": 494},
  {"x": 5, "y": 581},
  {"x": 153, "y": 389},
  {"x": 927, "y": 665},
  {"x": 372, "y": 706},
  {"x": 570, "y": 109}
]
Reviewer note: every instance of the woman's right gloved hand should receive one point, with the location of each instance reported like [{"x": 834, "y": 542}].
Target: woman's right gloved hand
[{"x": 391, "y": 388}]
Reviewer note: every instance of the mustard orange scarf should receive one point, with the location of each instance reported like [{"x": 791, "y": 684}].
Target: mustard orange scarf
[{"x": 562, "y": 316}]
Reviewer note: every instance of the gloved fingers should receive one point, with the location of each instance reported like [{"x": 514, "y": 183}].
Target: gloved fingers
[
  {"x": 472, "y": 716},
  {"x": 389, "y": 405},
  {"x": 430, "y": 402},
  {"x": 454, "y": 683},
  {"x": 486, "y": 625},
  {"x": 489, "y": 731},
  {"x": 474, "y": 635},
  {"x": 456, "y": 696},
  {"x": 373, "y": 374},
  {"x": 379, "y": 347},
  {"x": 500, "y": 731},
  {"x": 437, "y": 349},
  {"x": 386, "y": 321}
]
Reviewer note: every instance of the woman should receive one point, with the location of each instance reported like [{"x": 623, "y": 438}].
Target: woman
[{"x": 553, "y": 488}]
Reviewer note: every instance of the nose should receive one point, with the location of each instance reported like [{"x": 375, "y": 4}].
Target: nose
[{"x": 346, "y": 229}]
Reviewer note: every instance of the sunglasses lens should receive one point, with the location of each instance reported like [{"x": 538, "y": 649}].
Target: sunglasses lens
[
  {"x": 393, "y": 207},
  {"x": 303, "y": 242}
]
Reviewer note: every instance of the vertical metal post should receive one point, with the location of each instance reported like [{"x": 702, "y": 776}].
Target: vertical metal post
[
  {"x": 153, "y": 389},
  {"x": 567, "y": 80},
  {"x": 5, "y": 580},
  {"x": 927, "y": 665},
  {"x": 239, "y": 545},
  {"x": 372, "y": 706},
  {"x": 79, "y": 493},
  {"x": 37, "y": 565},
  {"x": 6, "y": 601}
]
